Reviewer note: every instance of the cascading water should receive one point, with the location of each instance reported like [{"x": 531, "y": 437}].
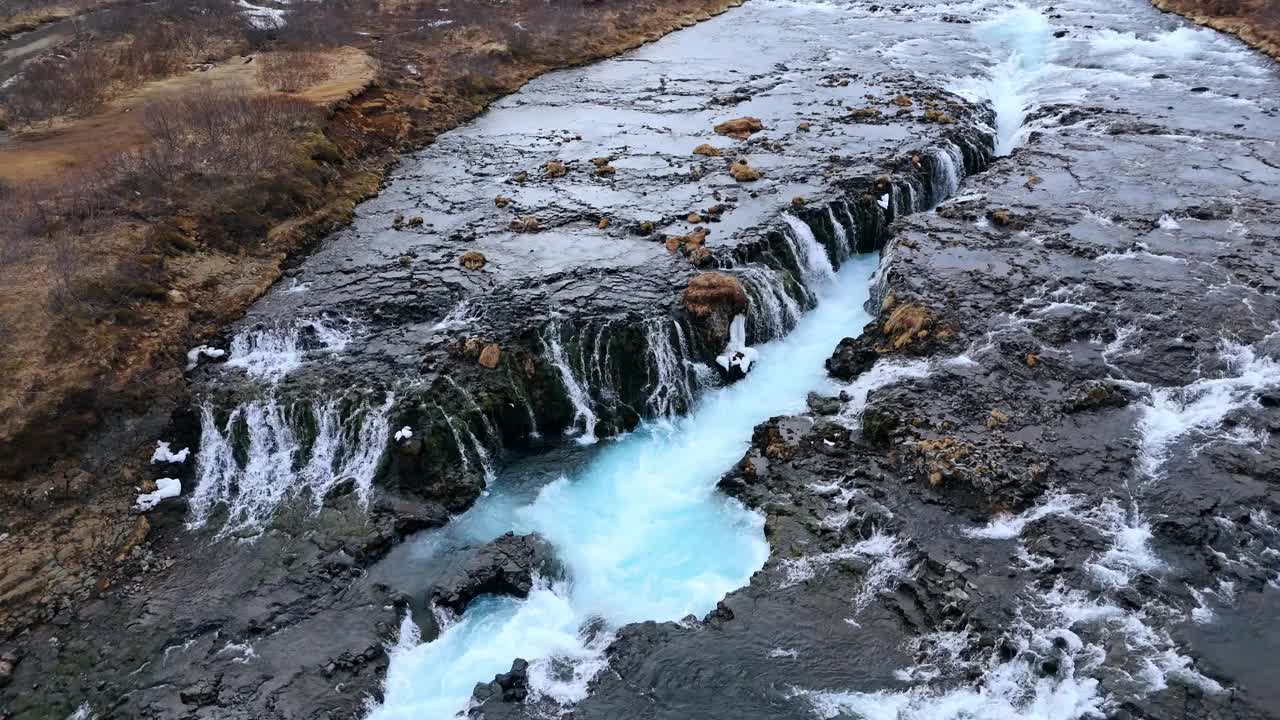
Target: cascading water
[
  {"x": 772, "y": 310},
  {"x": 583, "y": 410},
  {"x": 675, "y": 379},
  {"x": 278, "y": 464},
  {"x": 811, "y": 256},
  {"x": 1022, "y": 41},
  {"x": 631, "y": 526},
  {"x": 270, "y": 353}
]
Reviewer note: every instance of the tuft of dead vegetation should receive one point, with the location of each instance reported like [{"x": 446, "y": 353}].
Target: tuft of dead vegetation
[{"x": 289, "y": 71}]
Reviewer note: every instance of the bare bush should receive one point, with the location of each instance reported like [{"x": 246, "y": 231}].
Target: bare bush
[
  {"x": 130, "y": 45},
  {"x": 292, "y": 70},
  {"x": 214, "y": 130},
  {"x": 321, "y": 24},
  {"x": 21, "y": 217}
]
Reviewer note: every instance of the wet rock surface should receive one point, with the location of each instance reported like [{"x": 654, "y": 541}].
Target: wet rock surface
[
  {"x": 288, "y": 625},
  {"x": 507, "y": 566}
]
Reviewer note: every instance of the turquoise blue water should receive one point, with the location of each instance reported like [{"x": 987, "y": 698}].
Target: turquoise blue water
[{"x": 641, "y": 529}]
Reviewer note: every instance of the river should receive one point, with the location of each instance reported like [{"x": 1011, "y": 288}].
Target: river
[{"x": 1047, "y": 498}]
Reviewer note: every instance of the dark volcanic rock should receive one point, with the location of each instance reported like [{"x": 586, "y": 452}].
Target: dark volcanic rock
[
  {"x": 851, "y": 358},
  {"x": 506, "y": 566},
  {"x": 508, "y": 687}
]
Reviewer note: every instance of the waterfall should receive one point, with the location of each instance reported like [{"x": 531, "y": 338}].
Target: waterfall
[
  {"x": 528, "y": 407},
  {"x": 583, "y": 413},
  {"x": 269, "y": 353},
  {"x": 673, "y": 389},
  {"x": 474, "y": 407},
  {"x": 632, "y": 528},
  {"x": 470, "y": 441},
  {"x": 772, "y": 310},
  {"x": 842, "y": 235},
  {"x": 946, "y": 174},
  {"x": 277, "y": 463},
  {"x": 811, "y": 256}
]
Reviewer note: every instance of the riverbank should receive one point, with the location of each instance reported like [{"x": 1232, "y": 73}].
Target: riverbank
[
  {"x": 1256, "y": 23},
  {"x": 86, "y": 393}
]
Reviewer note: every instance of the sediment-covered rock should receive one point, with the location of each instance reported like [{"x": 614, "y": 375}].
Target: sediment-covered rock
[
  {"x": 740, "y": 128},
  {"x": 713, "y": 299}
]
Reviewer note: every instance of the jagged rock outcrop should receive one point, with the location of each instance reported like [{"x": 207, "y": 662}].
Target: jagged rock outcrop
[{"x": 506, "y": 566}]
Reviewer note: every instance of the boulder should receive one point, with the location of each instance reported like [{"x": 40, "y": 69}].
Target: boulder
[
  {"x": 687, "y": 243},
  {"x": 937, "y": 116},
  {"x": 490, "y": 356},
  {"x": 8, "y": 661},
  {"x": 527, "y": 224},
  {"x": 742, "y": 172},
  {"x": 851, "y": 358},
  {"x": 511, "y": 686},
  {"x": 506, "y": 566},
  {"x": 741, "y": 128},
  {"x": 712, "y": 300},
  {"x": 472, "y": 260}
]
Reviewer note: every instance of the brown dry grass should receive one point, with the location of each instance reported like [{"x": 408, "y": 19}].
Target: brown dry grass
[{"x": 79, "y": 146}]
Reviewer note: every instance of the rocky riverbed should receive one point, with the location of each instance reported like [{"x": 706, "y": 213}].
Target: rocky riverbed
[
  {"x": 1039, "y": 483},
  {"x": 1045, "y": 487}
]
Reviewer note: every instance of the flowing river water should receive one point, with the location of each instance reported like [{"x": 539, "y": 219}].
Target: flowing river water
[
  {"x": 632, "y": 526},
  {"x": 646, "y": 536},
  {"x": 632, "y": 508}
]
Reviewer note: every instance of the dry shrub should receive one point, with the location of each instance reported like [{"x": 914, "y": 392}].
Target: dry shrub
[
  {"x": 215, "y": 131},
  {"x": 292, "y": 70},
  {"x": 322, "y": 24},
  {"x": 130, "y": 46}
]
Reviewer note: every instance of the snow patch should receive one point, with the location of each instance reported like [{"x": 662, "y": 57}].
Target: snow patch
[
  {"x": 165, "y": 488},
  {"x": 164, "y": 455}
]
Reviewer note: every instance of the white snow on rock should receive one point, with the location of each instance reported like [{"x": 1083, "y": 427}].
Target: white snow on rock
[
  {"x": 262, "y": 17},
  {"x": 165, "y": 488},
  {"x": 194, "y": 355},
  {"x": 736, "y": 353},
  {"x": 164, "y": 455}
]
